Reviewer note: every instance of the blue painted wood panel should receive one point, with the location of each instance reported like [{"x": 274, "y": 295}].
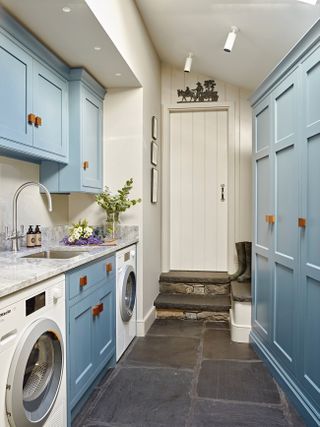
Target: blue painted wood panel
[
  {"x": 15, "y": 95},
  {"x": 284, "y": 311},
  {"x": 263, "y": 136},
  {"x": 91, "y": 139},
  {"x": 81, "y": 351},
  {"x": 50, "y": 103},
  {"x": 262, "y": 300},
  {"x": 263, "y": 201}
]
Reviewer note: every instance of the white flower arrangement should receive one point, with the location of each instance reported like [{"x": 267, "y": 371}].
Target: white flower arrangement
[{"x": 79, "y": 230}]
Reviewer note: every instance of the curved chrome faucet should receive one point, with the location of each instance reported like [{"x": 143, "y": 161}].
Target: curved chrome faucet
[{"x": 16, "y": 235}]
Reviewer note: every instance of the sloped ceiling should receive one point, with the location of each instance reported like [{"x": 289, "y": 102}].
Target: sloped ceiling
[{"x": 268, "y": 30}]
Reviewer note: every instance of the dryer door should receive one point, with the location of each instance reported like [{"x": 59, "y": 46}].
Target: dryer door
[
  {"x": 35, "y": 375},
  {"x": 128, "y": 293}
]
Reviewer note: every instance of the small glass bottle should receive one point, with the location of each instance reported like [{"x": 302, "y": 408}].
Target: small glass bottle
[
  {"x": 31, "y": 238},
  {"x": 37, "y": 236}
]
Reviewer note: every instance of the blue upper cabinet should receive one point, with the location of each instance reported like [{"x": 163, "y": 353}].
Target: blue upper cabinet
[
  {"x": 50, "y": 102},
  {"x": 15, "y": 95},
  {"x": 84, "y": 173},
  {"x": 33, "y": 97}
]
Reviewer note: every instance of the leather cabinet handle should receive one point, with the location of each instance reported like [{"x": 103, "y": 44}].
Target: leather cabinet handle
[
  {"x": 38, "y": 121},
  {"x": 97, "y": 309},
  {"x": 302, "y": 222},
  {"x": 109, "y": 267},
  {"x": 83, "y": 281},
  {"x": 270, "y": 219},
  {"x": 85, "y": 165},
  {"x": 31, "y": 119}
]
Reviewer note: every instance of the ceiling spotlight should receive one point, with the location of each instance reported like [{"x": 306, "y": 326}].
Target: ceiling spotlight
[
  {"x": 188, "y": 63},
  {"x": 231, "y": 39},
  {"x": 66, "y": 9},
  {"x": 118, "y": 74},
  {"x": 312, "y": 2},
  {"x": 97, "y": 48}
]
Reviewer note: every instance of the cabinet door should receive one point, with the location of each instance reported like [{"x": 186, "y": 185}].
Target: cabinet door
[
  {"x": 91, "y": 140},
  {"x": 15, "y": 95},
  {"x": 310, "y": 235},
  {"x": 50, "y": 104},
  {"x": 262, "y": 241},
  {"x": 104, "y": 324},
  {"x": 285, "y": 256},
  {"x": 81, "y": 352}
]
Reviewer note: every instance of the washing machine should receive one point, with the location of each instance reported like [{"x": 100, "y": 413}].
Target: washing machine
[
  {"x": 126, "y": 292},
  {"x": 32, "y": 356}
]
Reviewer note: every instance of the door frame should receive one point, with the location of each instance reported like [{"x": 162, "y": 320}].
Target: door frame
[{"x": 165, "y": 180}]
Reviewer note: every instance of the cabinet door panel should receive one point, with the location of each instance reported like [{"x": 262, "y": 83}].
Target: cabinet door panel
[
  {"x": 92, "y": 141},
  {"x": 50, "y": 103},
  {"x": 104, "y": 325},
  {"x": 262, "y": 295},
  {"x": 262, "y": 126},
  {"x": 81, "y": 349},
  {"x": 284, "y": 313},
  {"x": 263, "y": 202},
  {"x": 15, "y": 93},
  {"x": 310, "y": 235}
]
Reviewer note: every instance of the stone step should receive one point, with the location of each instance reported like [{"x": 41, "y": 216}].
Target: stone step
[
  {"x": 212, "y": 277},
  {"x": 195, "y": 282},
  {"x": 190, "y": 306},
  {"x": 241, "y": 292}
]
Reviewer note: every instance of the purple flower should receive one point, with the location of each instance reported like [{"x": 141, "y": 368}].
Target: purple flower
[{"x": 92, "y": 240}]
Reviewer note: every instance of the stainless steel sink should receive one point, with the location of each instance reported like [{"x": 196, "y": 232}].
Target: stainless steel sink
[{"x": 55, "y": 254}]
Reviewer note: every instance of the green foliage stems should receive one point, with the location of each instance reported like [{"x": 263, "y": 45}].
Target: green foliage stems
[{"x": 119, "y": 202}]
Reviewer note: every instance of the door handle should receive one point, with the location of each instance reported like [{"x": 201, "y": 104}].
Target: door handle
[
  {"x": 270, "y": 219},
  {"x": 109, "y": 267},
  {"x": 97, "y": 309},
  {"x": 31, "y": 119},
  {"x": 85, "y": 165},
  {"x": 222, "y": 193},
  {"x": 302, "y": 222},
  {"x": 38, "y": 121},
  {"x": 83, "y": 281}
]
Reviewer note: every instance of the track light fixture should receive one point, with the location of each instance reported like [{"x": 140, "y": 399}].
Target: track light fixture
[
  {"x": 188, "y": 63},
  {"x": 231, "y": 39}
]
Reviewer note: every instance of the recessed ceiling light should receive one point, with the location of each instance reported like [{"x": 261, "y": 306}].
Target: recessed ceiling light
[
  {"x": 66, "y": 9},
  {"x": 97, "y": 48},
  {"x": 118, "y": 74},
  {"x": 312, "y": 2}
]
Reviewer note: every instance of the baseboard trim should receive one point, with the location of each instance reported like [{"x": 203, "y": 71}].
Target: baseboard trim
[
  {"x": 144, "y": 325},
  {"x": 301, "y": 402}
]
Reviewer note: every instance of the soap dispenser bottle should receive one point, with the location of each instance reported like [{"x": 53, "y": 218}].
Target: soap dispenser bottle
[
  {"x": 31, "y": 238},
  {"x": 37, "y": 236}
]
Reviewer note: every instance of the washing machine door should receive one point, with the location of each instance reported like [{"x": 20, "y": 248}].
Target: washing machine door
[
  {"x": 128, "y": 293},
  {"x": 35, "y": 375}
]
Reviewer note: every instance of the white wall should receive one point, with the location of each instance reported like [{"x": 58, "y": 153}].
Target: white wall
[
  {"x": 173, "y": 79},
  {"x": 123, "y": 24},
  {"x": 32, "y": 206}
]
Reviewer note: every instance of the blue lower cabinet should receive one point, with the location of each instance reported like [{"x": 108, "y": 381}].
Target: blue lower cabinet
[{"x": 91, "y": 331}]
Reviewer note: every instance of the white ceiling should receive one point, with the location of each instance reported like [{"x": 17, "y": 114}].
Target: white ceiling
[
  {"x": 268, "y": 30},
  {"x": 72, "y": 36}
]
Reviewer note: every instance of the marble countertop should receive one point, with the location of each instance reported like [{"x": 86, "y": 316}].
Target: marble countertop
[{"x": 18, "y": 273}]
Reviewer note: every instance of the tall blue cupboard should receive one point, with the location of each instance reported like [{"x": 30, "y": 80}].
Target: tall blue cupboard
[{"x": 286, "y": 232}]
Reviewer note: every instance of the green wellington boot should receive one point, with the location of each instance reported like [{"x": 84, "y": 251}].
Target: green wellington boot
[
  {"x": 241, "y": 261},
  {"x": 246, "y": 276}
]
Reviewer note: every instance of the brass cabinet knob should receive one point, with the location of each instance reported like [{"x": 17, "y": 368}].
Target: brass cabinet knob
[
  {"x": 302, "y": 222},
  {"x": 31, "y": 119},
  {"x": 85, "y": 165}
]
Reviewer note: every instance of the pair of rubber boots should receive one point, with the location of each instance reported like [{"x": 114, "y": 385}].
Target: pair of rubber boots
[{"x": 243, "y": 274}]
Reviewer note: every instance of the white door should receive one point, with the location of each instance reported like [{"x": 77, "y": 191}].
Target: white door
[{"x": 198, "y": 190}]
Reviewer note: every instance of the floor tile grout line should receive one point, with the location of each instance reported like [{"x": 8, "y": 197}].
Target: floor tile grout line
[
  {"x": 195, "y": 378},
  {"x": 241, "y": 402}
]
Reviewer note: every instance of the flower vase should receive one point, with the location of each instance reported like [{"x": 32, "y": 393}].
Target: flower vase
[{"x": 112, "y": 224}]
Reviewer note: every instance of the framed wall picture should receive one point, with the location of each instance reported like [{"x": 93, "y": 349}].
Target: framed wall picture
[
  {"x": 154, "y": 127},
  {"x": 154, "y": 153},
  {"x": 154, "y": 185}
]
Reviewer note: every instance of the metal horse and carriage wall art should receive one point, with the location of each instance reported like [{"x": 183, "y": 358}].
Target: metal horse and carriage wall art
[{"x": 201, "y": 93}]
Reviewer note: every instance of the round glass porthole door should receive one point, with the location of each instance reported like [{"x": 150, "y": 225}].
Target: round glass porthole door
[
  {"x": 128, "y": 294},
  {"x": 35, "y": 375}
]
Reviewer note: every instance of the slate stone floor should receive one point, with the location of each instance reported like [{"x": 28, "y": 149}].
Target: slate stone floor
[{"x": 188, "y": 374}]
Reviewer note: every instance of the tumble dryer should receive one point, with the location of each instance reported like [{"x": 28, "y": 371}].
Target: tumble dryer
[
  {"x": 126, "y": 291},
  {"x": 32, "y": 356}
]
